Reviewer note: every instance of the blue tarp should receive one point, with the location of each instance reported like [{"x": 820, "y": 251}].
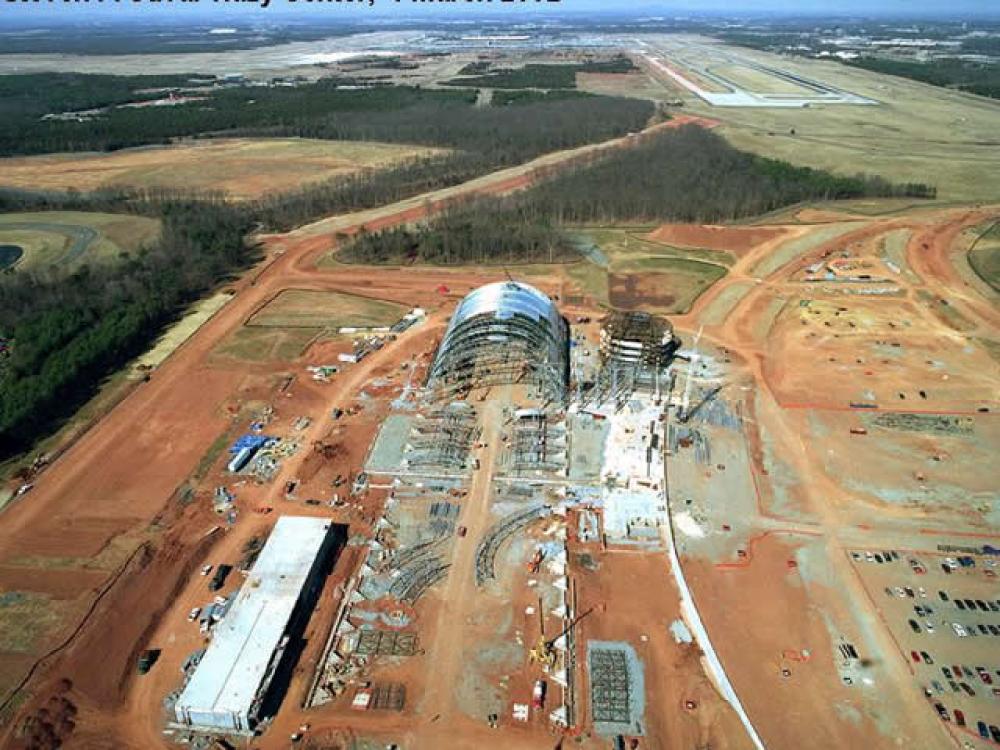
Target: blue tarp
[{"x": 249, "y": 441}]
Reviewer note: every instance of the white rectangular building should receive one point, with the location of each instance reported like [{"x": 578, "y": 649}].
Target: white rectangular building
[{"x": 226, "y": 691}]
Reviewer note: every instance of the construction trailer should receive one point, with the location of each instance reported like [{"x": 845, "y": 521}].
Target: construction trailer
[{"x": 245, "y": 669}]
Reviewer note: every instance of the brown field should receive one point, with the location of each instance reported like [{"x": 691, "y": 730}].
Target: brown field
[
  {"x": 242, "y": 168},
  {"x": 734, "y": 239},
  {"x": 303, "y": 308},
  {"x": 673, "y": 291}
]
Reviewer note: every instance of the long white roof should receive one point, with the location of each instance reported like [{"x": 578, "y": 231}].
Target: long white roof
[{"x": 230, "y": 674}]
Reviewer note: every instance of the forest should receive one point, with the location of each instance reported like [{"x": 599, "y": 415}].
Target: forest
[
  {"x": 484, "y": 139},
  {"x": 320, "y": 105},
  {"x": 688, "y": 174},
  {"x": 71, "y": 331},
  {"x": 537, "y": 75},
  {"x": 483, "y": 231}
]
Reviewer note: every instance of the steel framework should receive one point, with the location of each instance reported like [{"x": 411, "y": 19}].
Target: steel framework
[{"x": 502, "y": 333}]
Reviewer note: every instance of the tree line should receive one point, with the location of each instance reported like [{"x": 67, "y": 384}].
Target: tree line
[
  {"x": 537, "y": 75},
  {"x": 689, "y": 174},
  {"x": 982, "y": 78},
  {"x": 70, "y": 330},
  {"x": 482, "y": 140}
]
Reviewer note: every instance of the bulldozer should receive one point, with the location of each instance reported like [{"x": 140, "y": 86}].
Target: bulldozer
[{"x": 544, "y": 653}]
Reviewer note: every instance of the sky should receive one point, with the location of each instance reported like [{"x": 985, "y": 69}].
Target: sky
[{"x": 233, "y": 10}]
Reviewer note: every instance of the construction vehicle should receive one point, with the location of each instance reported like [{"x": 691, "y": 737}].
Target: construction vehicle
[
  {"x": 538, "y": 695},
  {"x": 685, "y": 415},
  {"x": 544, "y": 652},
  {"x": 147, "y": 659},
  {"x": 536, "y": 560}
]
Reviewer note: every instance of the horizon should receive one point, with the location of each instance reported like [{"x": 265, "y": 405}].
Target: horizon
[{"x": 255, "y": 12}]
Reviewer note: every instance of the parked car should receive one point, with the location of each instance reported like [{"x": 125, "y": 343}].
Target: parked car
[
  {"x": 915, "y": 656},
  {"x": 967, "y": 688},
  {"x": 995, "y": 732},
  {"x": 959, "y": 718},
  {"x": 983, "y": 730},
  {"x": 206, "y": 569},
  {"x": 942, "y": 712},
  {"x": 945, "y": 671},
  {"x": 927, "y": 658},
  {"x": 914, "y": 627},
  {"x": 193, "y": 614},
  {"x": 958, "y": 603}
]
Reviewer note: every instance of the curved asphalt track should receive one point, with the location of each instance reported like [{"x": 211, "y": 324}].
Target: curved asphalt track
[{"x": 81, "y": 236}]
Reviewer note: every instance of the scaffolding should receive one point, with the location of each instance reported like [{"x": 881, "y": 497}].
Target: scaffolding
[
  {"x": 487, "y": 550},
  {"x": 538, "y": 442},
  {"x": 442, "y": 439},
  {"x": 636, "y": 348}
]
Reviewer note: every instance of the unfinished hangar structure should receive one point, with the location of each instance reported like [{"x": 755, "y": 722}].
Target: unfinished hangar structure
[
  {"x": 636, "y": 347},
  {"x": 637, "y": 339},
  {"x": 501, "y": 333},
  {"x": 244, "y": 670}
]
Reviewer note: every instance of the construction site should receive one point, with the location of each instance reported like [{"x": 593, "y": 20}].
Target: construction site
[{"x": 464, "y": 507}]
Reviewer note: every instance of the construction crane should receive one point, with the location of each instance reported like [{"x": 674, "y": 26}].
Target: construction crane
[
  {"x": 712, "y": 393},
  {"x": 692, "y": 363},
  {"x": 544, "y": 652}
]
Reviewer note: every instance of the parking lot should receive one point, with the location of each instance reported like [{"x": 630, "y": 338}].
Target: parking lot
[{"x": 943, "y": 610}]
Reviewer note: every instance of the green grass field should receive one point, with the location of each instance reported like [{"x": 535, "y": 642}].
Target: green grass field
[
  {"x": 985, "y": 257},
  {"x": 283, "y": 329},
  {"x": 71, "y": 237},
  {"x": 917, "y": 132},
  {"x": 636, "y": 273},
  {"x": 302, "y": 308}
]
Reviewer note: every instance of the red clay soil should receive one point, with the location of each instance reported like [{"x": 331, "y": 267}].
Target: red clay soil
[
  {"x": 736, "y": 239},
  {"x": 672, "y": 672},
  {"x": 121, "y": 476},
  {"x": 784, "y": 709}
]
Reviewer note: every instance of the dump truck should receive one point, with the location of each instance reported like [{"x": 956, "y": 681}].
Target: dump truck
[
  {"x": 219, "y": 578},
  {"x": 147, "y": 659}
]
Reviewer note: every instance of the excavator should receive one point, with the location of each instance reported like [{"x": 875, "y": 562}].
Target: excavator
[{"x": 544, "y": 652}]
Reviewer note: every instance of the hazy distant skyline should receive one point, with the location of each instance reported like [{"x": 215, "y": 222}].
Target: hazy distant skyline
[{"x": 234, "y": 11}]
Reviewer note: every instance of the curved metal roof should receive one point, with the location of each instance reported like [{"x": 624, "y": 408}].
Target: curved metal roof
[{"x": 501, "y": 312}]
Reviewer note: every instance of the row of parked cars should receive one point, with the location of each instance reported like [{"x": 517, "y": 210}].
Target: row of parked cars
[
  {"x": 949, "y": 565},
  {"x": 985, "y": 605},
  {"x": 962, "y": 631},
  {"x": 986, "y": 731}
]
